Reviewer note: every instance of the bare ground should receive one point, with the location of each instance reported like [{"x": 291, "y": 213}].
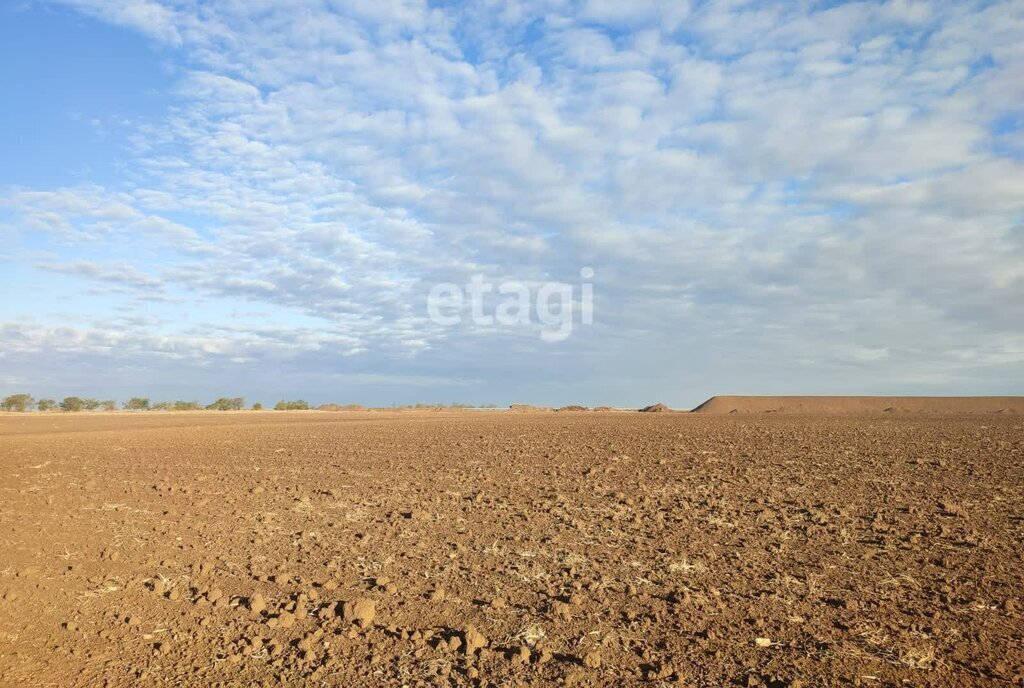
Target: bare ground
[
  {"x": 817, "y": 405},
  {"x": 494, "y": 549}
]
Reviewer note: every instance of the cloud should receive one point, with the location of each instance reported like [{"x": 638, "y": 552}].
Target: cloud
[
  {"x": 151, "y": 18},
  {"x": 91, "y": 213},
  {"x": 116, "y": 274},
  {"x": 779, "y": 179}
]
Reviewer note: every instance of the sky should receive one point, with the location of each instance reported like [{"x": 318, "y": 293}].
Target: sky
[{"x": 204, "y": 198}]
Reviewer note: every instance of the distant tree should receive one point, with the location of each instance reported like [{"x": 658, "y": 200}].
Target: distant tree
[
  {"x": 186, "y": 405},
  {"x": 297, "y": 405},
  {"x": 90, "y": 404},
  {"x": 72, "y": 404},
  {"x": 227, "y": 404},
  {"x": 46, "y": 404},
  {"x": 17, "y": 402},
  {"x": 108, "y": 405},
  {"x": 257, "y": 406},
  {"x": 162, "y": 406},
  {"x": 137, "y": 404}
]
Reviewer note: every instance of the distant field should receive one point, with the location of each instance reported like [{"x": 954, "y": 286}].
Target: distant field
[
  {"x": 846, "y": 405},
  {"x": 494, "y": 549}
]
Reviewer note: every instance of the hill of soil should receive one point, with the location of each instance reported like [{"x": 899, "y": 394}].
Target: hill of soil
[{"x": 854, "y": 405}]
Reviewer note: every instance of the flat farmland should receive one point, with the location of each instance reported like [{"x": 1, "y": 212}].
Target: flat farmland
[{"x": 511, "y": 549}]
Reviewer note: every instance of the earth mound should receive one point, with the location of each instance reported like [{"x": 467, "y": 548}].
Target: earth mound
[
  {"x": 835, "y": 405},
  {"x": 573, "y": 407},
  {"x": 655, "y": 408}
]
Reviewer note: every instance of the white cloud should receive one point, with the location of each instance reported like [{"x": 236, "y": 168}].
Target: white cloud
[
  {"x": 782, "y": 174},
  {"x": 151, "y": 18},
  {"x": 116, "y": 274}
]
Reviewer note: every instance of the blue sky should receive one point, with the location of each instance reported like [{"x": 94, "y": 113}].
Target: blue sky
[{"x": 241, "y": 198}]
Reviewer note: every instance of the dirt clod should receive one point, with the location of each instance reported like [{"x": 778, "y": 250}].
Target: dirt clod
[
  {"x": 473, "y": 640},
  {"x": 361, "y": 611}
]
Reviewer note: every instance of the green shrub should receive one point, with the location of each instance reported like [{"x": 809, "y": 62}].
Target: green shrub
[
  {"x": 227, "y": 404},
  {"x": 16, "y": 402},
  {"x": 72, "y": 404},
  {"x": 137, "y": 404},
  {"x": 297, "y": 405}
]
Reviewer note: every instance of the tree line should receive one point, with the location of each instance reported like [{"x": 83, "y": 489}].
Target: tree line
[{"x": 26, "y": 402}]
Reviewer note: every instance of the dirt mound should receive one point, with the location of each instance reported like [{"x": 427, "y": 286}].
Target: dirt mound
[
  {"x": 573, "y": 407},
  {"x": 655, "y": 408},
  {"x": 853, "y": 405},
  {"x": 603, "y": 409}
]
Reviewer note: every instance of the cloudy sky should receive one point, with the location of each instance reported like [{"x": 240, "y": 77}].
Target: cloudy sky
[{"x": 248, "y": 197}]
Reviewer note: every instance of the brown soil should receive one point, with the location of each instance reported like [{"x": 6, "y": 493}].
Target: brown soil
[
  {"x": 861, "y": 405},
  {"x": 655, "y": 408},
  {"x": 494, "y": 549}
]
